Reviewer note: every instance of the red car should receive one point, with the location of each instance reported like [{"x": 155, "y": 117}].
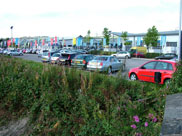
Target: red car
[
  {"x": 155, "y": 71},
  {"x": 138, "y": 55}
]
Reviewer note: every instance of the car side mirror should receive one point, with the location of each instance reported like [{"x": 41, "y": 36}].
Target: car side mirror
[{"x": 142, "y": 67}]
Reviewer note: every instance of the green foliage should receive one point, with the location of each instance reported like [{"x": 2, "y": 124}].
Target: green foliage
[
  {"x": 64, "y": 101},
  {"x": 106, "y": 35},
  {"x": 151, "y": 55},
  {"x": 124, "y": 36},
  {"x": 151, "y": 38}
]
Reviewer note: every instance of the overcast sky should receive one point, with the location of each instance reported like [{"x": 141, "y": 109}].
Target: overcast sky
[{"x": 71, "y": 18}]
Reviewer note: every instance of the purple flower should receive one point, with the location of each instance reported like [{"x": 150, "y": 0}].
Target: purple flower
[
  {"x": 154, "y": 119},
  {"x": 146, "y": 124},
  {"x": 134, "y": 126},
  {"x": 136, "y": 118}
]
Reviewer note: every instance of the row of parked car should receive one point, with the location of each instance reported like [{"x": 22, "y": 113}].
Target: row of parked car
[
  {"x": 11, "y": 52},
  {"x": 103, "y": 63}
]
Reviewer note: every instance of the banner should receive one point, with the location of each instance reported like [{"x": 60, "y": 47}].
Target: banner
[
  {"x": 52, "y": 41},
  {"x": 9, "y": 42},
  {"x": 91, "y": 42},
  {"x": 35, "y": 42},
  {"x": 16, "y": 41},
  {"x": 55, "y": 39},
  {"x": 119, "y": 41},
  {"x": 74, "y": 41},
  {"x": 138, "y": 41},
  {"x": 43, "y": 42},
  {"x": 163, "y": 41},
  {"x": 104, "y": 42},
  {"x": 79, "y": 41}
]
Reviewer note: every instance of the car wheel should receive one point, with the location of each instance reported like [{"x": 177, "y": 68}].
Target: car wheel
[
  {"x": 167, "y": 82},
  {"x": 133, "y": 77},
  {"x": 109, "y": 70},
  {"x": 126, "y": 57}
]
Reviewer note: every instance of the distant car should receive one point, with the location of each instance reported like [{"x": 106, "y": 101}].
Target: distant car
[
  {"x": 105, "y": 63},
  {"x": 81, "y": 60},
  {"x": 167, "y": 56},
  {"x": 45, "y": 57},
  {"x": 155, "y": 71},
  {"x": 55, "y": 58},
  {"x": 138, "y": 55},
  {"x": 14, "y": 53},
  {"x": 65, "y": 58},
  {"x": 122, "y": 54}
]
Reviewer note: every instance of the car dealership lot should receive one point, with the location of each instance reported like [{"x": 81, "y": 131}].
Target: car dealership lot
[{"x": 130, "y": 63}]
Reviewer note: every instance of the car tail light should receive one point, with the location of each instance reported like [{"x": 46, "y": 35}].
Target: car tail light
[
  {"x": 71, "y": 61},
  {"x": 101, "y": 64},
  {"x": 84, "y": 62},
  {"x": 69, "y": 57},
  {"x": 49, "y": 54}
]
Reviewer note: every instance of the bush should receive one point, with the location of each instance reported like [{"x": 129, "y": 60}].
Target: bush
[
  {"x": 152, "y": 55},
  {"x": 64, "y": 101}
]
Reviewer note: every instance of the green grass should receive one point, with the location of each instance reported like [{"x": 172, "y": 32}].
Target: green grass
[{"x": 64, "y": 101}]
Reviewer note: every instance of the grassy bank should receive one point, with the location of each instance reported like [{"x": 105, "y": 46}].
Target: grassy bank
[{"x": 63, "y": 101}]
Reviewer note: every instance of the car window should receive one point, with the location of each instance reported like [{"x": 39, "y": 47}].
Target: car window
[
  {"x": 79, "y": 57},
  {"x": 56, "y": 55},
  {"x": 101, "y": 58},
  {"x": 149, "y": 65},
  {"x": 115, "y": 59},
  {"x": 112, "y": 59},
  {"x": 161, "y": 66},
  {"x": 170, "y": 67}
]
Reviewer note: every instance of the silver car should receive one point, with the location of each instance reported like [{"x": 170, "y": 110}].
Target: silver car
[
  {"x": 105, "y": 64},
  {"x": 55, "y": 58},
  {"x": 122, "y": 54},
  {"x": 45, "y": 57}
]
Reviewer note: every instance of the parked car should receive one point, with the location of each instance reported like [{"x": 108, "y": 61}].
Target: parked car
[
  {"x": 167, "y": 56},
  {"x": 81, "y": 60},
  {"x": 55, "y": 58},
  {"x": 155, "y": 71},
  {"x": 14, "y": 53},
  {"x": 105, "y": 64},
  {"x": 65, "y": 58},
  {"x": 45, "y": 56},
  {"x": 139, "y": 55},
  {"x": 122, "y": 54}
]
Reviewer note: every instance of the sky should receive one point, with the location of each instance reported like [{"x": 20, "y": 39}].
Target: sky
[{"x": 71, "y": 18}]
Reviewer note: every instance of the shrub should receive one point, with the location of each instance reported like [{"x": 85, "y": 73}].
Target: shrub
[{"x": 152, "y": 55}]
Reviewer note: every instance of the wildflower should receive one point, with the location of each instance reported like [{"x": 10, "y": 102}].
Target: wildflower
[
  {"x": 136, "y": 118},
  {"x": 154, "y": 119},
  {"x": 134, "y": 126},
  {"x": 146, "y": 124}
]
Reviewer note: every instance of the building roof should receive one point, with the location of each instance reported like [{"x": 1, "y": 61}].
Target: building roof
[{"x": 176, "y": 32}]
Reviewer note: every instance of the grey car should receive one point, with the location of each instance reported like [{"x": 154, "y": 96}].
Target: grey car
[
  {"x": 55, "y": 58},
  {"x": 107, "y": 64},
  {"x": 45, "y": 57}
]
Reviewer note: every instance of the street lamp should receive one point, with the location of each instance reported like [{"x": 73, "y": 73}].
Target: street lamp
[
  {"x": 180, "y": 36},
  {"x": 11, "y": 35}
]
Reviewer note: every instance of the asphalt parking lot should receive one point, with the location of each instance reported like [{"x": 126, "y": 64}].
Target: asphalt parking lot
[{"x": 130, "y": 63}]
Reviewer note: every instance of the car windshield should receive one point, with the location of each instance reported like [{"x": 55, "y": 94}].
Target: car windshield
[
  {"x": 101, "y": 58},
  {"x": 64, "y": 55},
  {"x": 55, "y": 55}
]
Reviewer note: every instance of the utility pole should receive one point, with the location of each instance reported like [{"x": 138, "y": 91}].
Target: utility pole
[
  {"x": 11, "y": 35},
  {"x": 180, "y": 36}
]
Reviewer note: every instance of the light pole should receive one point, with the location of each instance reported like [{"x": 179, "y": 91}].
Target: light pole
[
  {"x": 11, "y": 35},
  {"x": 180, "y": 36}
]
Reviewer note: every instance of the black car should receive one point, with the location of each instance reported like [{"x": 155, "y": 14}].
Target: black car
[
  {"x": 167, "y": 56},
  {"x": 65, "y": 58},
  {"x": 81, "y": 60}
]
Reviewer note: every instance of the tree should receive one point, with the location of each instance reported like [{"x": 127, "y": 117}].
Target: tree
[
  {"x": 87, "y": 37},
  {"x": 151, "y": 38},
  {"x": 106, "y": 35},
  {"x": 124, "y": 37}
]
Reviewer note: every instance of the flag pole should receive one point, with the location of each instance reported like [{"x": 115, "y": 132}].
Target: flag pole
[{"x": 180, "y": 37}]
